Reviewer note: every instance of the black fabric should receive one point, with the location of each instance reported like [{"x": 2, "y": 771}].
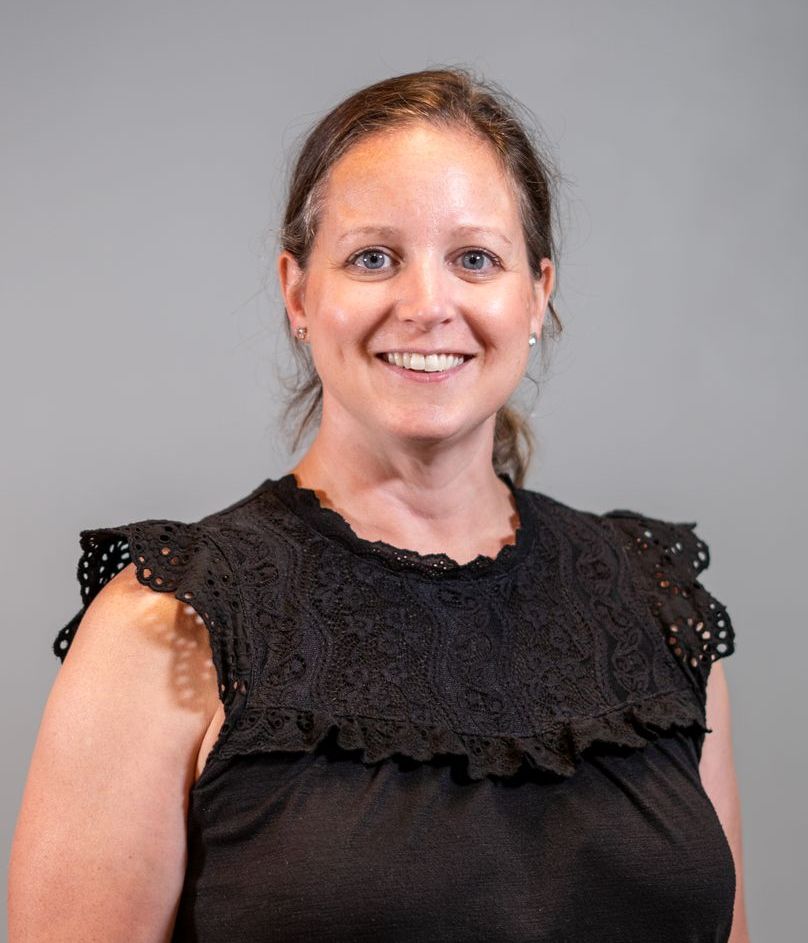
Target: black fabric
[{"x": 416, "y": 749}]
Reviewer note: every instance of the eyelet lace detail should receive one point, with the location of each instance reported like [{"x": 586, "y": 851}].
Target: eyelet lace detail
[
  {"x": 179, "y": 558},
  {"x": 697, "y": 628},
  {"x": 312, "y": 635}
]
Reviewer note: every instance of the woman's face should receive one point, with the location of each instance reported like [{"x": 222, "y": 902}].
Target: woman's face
[{"x": 419, "y": 249}]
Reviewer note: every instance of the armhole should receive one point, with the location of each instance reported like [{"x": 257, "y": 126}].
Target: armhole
[{"x": 185, "y": 560}]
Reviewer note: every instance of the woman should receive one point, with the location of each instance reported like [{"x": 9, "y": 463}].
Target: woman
[{"x": 440, "y": 706}]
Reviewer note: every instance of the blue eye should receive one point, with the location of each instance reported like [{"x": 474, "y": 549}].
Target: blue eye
[
  {"x": 477, "y": 257},
  {"x": 373, "y": 259}
]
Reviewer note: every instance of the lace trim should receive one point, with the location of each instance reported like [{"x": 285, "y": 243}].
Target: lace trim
[
  {"x": 306, "y": 504},
  {"x": 670, "y": 556},
  {"x": 556, "y": 749},
  {"x": 661, "y": 560},
  {"x": 171, "y": 557}
]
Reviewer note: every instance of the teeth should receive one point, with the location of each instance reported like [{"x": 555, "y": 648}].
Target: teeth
[{"x": 431, "y": 363}]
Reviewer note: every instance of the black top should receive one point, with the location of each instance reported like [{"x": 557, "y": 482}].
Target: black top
[{"x": 420, "y": 750}]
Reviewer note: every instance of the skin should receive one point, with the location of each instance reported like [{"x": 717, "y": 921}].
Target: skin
[
  {"x": 718, "y": 776},
  {"x": 99, "y": 850},
  {"x": 408, "y": 462}
]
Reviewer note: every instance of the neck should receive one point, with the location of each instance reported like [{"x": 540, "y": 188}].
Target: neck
[{"x": 449, "y": 505}]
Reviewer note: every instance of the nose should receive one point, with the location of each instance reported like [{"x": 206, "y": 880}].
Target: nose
[{"x": 424, "y": 291}]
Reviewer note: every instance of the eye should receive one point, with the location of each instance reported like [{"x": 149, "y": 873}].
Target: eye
[
  {"x": 372, "y": 260},
  {"x": 473, "y": 260},
  {"x": 477, "y": 259}
]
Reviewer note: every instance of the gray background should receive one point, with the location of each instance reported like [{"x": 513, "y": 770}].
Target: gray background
[{"x": 145, "y": 147}]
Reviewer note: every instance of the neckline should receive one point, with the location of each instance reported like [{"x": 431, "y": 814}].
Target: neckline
[{"x": 329, "y": 523}]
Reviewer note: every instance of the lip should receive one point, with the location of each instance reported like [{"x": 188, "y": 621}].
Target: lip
[
  {"x": 421, "y": 376},
  {"x": 425, "y": 353}
]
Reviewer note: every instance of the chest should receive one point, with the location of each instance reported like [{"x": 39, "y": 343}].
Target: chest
[{"x": 323, "y": 846}]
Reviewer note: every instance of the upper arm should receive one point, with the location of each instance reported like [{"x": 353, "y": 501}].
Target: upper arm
[
  {"x": 717, "y": 770},
  {"x": 716, "y": 757},
  {"x": 99, "y": 850}
]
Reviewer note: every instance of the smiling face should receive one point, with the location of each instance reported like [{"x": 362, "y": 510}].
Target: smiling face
[{"x": 419, "y": 248}]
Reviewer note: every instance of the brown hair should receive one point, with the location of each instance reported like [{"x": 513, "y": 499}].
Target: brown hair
[{"x": 448, "y": 97}]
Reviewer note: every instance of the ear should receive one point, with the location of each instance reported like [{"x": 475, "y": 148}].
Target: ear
[
  {"x": 542, "y": 289},
  {"x": 292, "y": 281}
]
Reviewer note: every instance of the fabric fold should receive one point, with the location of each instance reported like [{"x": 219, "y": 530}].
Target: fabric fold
[{"x": 555, "y": 749}]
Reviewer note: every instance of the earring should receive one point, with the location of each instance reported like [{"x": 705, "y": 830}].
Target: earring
[
  {"x": 532, "y": 340},
  {"x": 301, "y": 332}
]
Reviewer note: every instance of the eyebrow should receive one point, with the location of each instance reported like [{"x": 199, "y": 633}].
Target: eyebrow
[{"x": 391, "y": 231}]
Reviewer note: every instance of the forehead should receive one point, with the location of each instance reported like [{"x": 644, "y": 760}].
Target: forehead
[{"x": 419, "y": 172}]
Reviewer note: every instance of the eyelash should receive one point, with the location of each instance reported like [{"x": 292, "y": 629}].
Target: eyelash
[{"x": 489, "y": 255}]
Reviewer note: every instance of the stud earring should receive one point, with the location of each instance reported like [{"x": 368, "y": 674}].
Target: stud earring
[
  {"x": 301, "y": 332},
  {"x": 532, "y": 340}
]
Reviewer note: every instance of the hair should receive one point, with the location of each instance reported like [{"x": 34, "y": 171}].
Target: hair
[{"x": 445, "y": 97}]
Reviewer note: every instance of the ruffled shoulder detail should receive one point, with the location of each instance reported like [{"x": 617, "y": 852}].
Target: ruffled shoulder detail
[
  {"x": 171, "y": 557},
  {"x": 600, "y": 632},
  {"x": 669, "y": 558}
]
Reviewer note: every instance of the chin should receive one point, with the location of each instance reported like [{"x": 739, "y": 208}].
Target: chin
[{"x": 425, "y": 433}]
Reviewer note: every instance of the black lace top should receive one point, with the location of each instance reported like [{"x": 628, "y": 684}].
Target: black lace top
[{"x": 420, "y": 750}]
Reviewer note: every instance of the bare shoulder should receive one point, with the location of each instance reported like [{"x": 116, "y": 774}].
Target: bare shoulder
[
  {"x": 128, "y": 618},
  {"x": 118, "y": 744},
  {"x": 144, "y": 650}
]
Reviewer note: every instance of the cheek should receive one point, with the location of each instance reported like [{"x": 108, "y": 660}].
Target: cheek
[
  {"x": 504, "y": 316},
  {"x": 346, "y": 309},
  {"x": 339, "y": 317}
]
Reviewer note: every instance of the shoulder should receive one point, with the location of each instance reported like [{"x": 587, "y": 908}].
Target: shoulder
[
  {"x": 663, "y": 562},
  {"x": 126, "y": 598},
  {"x": 176, "y": 581},
  {"x": 668, "y": 559},
  {"x": 653, "y": 538},
  {"x": 145, "y": 646},
  {"x": 654, "y": 535},
  {"x": 188, "y": 560}
]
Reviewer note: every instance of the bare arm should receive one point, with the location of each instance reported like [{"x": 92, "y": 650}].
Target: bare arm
[
  {"x": 718, "y": 777},
  {"x": 99, "y": 851}
]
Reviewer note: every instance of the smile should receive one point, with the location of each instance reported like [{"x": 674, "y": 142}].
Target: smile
[
  {"x": 432, "y": 368},
  {"x": 431, "y": 363}
]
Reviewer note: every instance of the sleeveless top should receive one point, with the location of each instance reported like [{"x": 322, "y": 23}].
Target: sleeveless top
[{"x": 420, "y": 750}]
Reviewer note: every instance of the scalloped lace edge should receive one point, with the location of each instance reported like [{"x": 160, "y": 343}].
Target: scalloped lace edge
[
  {"x": 436, "y": 564},
  {"x": 556, "y": 749}
]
